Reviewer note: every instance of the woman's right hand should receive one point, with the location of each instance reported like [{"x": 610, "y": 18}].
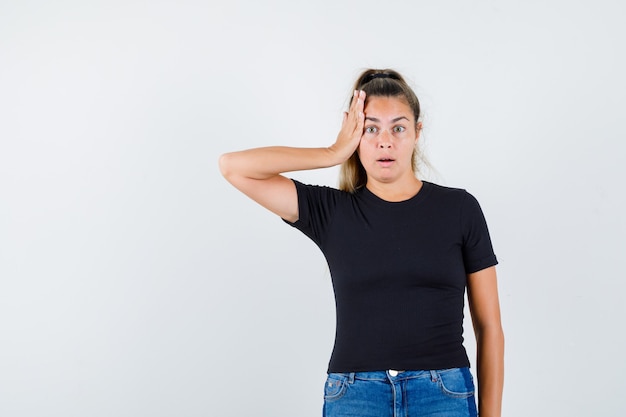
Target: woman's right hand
[{"x": 351, "y": 131}]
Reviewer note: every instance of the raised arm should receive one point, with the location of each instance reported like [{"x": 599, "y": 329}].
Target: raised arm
[
  {"x": 256, "y": 172},
  {"x": 482, "y": 290}
]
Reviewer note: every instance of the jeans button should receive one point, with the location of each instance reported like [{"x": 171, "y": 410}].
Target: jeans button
[{"x": 393, "y": 372}]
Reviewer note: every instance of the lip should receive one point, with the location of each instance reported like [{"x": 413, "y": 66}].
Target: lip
[{"x": 385, "y": 162}]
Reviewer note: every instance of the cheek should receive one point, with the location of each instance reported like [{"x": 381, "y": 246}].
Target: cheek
[
  {"x": 362, "y": 145},
  {"x": 364, "y": 148}
]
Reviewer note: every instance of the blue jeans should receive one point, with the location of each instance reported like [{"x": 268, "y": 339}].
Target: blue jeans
[{"x": 443, "y": 393}]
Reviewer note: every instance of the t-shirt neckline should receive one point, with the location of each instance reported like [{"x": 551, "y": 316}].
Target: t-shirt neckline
[{"x": 417, "y": 198}]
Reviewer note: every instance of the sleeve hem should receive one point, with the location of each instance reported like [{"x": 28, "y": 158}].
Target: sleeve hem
[{"x": 481, "y": 264}]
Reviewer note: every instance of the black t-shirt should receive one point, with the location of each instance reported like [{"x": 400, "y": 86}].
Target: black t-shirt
[{"x": 399, "y": 272}]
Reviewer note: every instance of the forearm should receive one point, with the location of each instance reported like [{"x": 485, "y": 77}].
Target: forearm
[
  {"x": 263, "y": 163},
  {"x": 257, "y": 172},
  {"x": 490, "y": 344}
]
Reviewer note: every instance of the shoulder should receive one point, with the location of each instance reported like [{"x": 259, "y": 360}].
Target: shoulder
[
  {"x": 320, "y": 200},
  {"x": 448, "y": 194},
  {"x": 313, "y": 189},
  {"x": 320, "y": 191},
  {"x": 454, "y": 200},
  {"x": 317, "y": 207}
]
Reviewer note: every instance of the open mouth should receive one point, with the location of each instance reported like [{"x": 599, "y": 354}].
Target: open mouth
[{"x": 385, "y": 162}]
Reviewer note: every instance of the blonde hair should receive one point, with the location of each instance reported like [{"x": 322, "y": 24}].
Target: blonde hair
[{"x": 385, "y": 83}]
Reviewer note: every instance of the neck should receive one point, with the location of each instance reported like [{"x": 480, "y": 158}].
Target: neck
[{"x": 395, "y": 192}]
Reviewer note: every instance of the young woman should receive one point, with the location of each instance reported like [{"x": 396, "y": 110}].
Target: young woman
[{"x": 401, "y": 253}]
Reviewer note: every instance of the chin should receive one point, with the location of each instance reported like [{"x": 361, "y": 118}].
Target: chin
[{"x": 386, "y": 179}]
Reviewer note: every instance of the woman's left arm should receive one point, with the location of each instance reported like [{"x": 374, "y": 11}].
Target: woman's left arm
[{"x": 482, "y": 291}]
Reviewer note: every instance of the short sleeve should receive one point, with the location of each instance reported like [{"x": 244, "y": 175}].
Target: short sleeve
[
  {"x": 478, "y": 251},
  {"x": 316, "y": 205}
]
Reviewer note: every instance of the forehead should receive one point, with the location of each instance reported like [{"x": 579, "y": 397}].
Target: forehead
[{"x": 387, "y": 107}]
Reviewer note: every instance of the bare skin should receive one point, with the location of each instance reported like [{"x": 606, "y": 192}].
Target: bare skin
[
  {"x": 257, "y": 172},
  {"x": 389, "y": 137},
  {"x": 384, "y": 134},
  {"x": 482, "y": 292}
]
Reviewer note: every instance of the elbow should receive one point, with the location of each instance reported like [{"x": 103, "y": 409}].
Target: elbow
[
  {"x": 225, "y": 165},
  {"x": 492, "y": 331}
]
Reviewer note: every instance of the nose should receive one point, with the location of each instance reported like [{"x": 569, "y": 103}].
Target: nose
[{"x": 384, "y": 139}]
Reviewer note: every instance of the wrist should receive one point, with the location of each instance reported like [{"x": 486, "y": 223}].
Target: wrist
[{"x": 337, "y": 156}]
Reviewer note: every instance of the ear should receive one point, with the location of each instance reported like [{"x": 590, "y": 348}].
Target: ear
[{"x": 418, "y": 130}]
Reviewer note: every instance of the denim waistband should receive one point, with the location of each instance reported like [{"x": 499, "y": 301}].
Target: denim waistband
[{"x": 392, "y": 374}]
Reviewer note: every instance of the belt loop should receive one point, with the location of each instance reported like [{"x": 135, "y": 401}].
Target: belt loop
[
  {"x": 351, "y": 378},
  {"x": 433, "y": 376}
]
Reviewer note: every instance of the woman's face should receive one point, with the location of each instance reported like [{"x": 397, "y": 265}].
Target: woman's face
[{"x": 389, "y": 137}]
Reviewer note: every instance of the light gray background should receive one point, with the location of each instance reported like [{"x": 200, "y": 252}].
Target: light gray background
[{"x": 134, "y": 281}]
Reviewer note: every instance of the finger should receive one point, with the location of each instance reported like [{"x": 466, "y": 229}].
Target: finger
[
  {"x": 356, "y": 105},
  {"x": 360, "y": 119},
  {"x": 359, "y": 110},
  {"x": 348, "y": 116},
  {"x": 358, "y": 99},
  {"x": 354, "y": 117}
]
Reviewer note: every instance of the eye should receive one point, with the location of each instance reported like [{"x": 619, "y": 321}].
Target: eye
[
  {"x": 399, "y": 129},
  {"x": 371, "y": 129}
]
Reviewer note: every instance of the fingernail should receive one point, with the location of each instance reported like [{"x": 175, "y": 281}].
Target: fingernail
[{"x": 356, "y": 92}]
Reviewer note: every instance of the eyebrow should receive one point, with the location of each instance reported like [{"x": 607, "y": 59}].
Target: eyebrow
[{"x": 375, "y": 120}]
